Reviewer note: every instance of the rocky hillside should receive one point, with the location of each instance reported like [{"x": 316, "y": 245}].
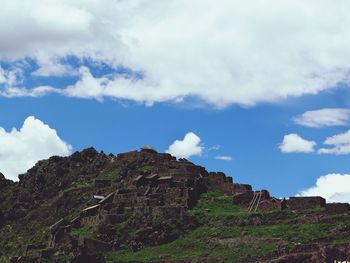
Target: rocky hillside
[{"x": 144, "y": 206}]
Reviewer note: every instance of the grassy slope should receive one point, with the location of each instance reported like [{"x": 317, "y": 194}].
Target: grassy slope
[{"x": 221, "y": 239}]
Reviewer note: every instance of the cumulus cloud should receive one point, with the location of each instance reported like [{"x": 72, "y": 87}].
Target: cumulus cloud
[
  {"x": 21, "y": 149},
  {"x": 324, "y": 117},
  {"x": 294, "y": 143},
  {"x": 224, "y": 158},
  {"x": 340, "y": 143},
  {"x": 333, "y": 187},
  {"x": 118, "y": 87},
  {"x": 242, "y": 52},
  {"x": 189, "y": 146}
]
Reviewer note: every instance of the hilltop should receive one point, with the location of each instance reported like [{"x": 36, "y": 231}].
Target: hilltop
[{"x": 145, "y": 206}]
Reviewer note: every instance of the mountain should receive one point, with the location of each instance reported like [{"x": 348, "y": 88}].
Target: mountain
[{"x": 145, "y": 206}]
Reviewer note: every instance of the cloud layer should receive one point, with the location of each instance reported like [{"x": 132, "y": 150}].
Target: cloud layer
[
  {"x": 241, "y": 52},
  {"x": 324, "y": 117},
  {"x": 293, "y": 143},
  {"x": 333, "y": 187},
  {"x": 189, "y": 146},
  {"x": 21, "y": 149},
  {"x": 340, "y": 143}
]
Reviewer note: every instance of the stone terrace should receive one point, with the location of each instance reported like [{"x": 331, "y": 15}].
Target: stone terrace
[{"x": 157, "y": 185}]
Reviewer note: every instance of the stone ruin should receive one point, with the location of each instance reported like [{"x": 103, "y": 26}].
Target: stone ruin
[
  {"x": 337, "y": 208},
  {"x": 244, "y": 195},
  {"x": 166, "y": 193},
  {"x": 310, "y": 202},
  {"x": 261, "y": 200},
  {"x": 219, "y": 181}
]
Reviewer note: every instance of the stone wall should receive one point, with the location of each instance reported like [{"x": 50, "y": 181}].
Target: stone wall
[
  {"x": 311, "y": 202},
  {"x": 272, "y": 204},
  {"x": 244, "y": 198},
  {"x": 238, "y": 188},
  {"x": 337, "y": 208},
  {"x": 225, "y": 183}
]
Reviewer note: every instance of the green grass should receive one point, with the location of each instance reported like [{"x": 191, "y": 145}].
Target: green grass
[
  {"x": 4, "y": 259},
  {"x": 189, "y": 246},
  {"x": 73, "y": 187},
  {"x": 110, "y": 174},
  {"x": 219, "y": 239},
  {"x": 82, "y": 232},
  {"x": 200, "y": 243},
  {"x": 82, "y": 184},
  {"x": 227, "y": 233},
  {"x": 298, "y": 233},
  {"x": 63, "y": 258},
  {"x": 215, "y": 205},
  {"x": 10, "y": 242}
]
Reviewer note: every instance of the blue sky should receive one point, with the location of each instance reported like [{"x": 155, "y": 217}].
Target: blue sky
[
  {"x": 116, "y": 80},
  {"x": 250, "y": 135}
]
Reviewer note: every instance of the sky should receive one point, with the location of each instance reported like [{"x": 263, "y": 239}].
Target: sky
[{"x": 257, "y": 89}]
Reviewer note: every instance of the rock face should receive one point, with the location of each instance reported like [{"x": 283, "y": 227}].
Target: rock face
[{"x": 4, "y": 182}]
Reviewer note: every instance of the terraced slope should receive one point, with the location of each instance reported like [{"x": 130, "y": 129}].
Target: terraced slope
[{"x": 145, "y": 206}]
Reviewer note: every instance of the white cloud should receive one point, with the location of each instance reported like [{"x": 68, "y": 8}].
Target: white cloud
[
  {"x": 21, "y": 149},
  {"x": 324, "y": 117},
  {"x": 223, "y": 158},
  {"x": 11, "y": 92},
  {"x": 214, "y": 148},
  {"x": 189, "y": 146},
  {"x": 118, "y": 87},
  {"x": 49, "y": 69},
  {"x": 10, "y": 77},
  {"x": 2, "y": 76},
  {"x": 294, "y": 143},
  {"x": 332, "y": 187},
  {"x": 340, "y": 142},
  {"x": 241, "y": 52}
]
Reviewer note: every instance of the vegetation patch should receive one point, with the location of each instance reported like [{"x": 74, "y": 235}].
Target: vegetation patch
[
  {"x": 218, "y": 241},
  {"x": 110, "y": 174},
  {"x": 214, "y": 207},
  {"x": 83, "y": 232}
]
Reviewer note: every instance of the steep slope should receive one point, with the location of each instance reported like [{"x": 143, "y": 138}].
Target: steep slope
[
  {"x": 145, "y": 206},
  {"x": 61, "y": 187}
]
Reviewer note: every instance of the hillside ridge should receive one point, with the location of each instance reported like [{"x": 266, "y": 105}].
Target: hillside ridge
[{"x": 88, "y": 206}]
